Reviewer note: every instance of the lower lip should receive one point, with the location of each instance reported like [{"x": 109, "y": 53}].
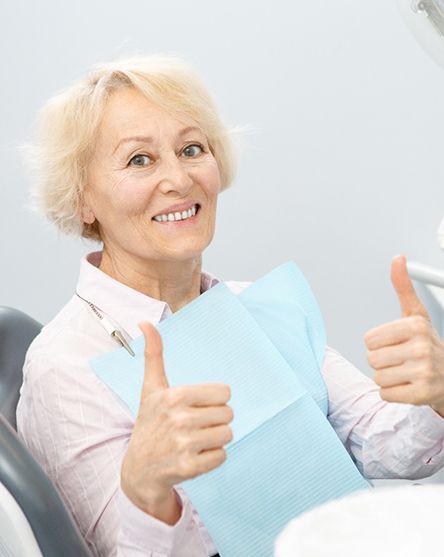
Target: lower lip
[{"x": 181, "y": 223}]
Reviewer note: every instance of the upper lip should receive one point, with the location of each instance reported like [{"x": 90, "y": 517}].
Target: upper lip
[{"x": 177, "y": 208}]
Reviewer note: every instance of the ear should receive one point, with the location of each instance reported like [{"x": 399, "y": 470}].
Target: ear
[{"x": 87, "y": 214}]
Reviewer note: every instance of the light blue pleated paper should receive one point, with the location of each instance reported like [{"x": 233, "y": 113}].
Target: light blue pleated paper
[
  {"x": 267, "y": 344},
  {"x": 284, "y": 306},
  {"x": 290, "y": 464},
  {"x": 213, "y": 339}
]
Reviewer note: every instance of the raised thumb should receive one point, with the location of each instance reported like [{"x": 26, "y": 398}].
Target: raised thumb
[
  {"x": 408, "y": 299},
  {"x": 155, "y": 378}
]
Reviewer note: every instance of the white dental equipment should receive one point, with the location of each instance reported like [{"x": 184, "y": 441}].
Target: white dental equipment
[{"x": 425, "y": 19}]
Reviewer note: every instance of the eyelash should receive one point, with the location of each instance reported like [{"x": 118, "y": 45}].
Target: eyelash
[{"x": 201, "y": 147}]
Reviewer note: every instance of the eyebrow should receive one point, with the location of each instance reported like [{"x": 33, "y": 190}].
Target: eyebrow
[{"x": 149, "y": 139}]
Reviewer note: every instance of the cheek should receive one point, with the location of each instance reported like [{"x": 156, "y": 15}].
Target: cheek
[
  {"x": 126, "y": 197},
  {"x": 210, "y": 179}
]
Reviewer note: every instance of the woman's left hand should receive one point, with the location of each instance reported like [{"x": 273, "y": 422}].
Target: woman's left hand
[{"x": 408, "y": 355}]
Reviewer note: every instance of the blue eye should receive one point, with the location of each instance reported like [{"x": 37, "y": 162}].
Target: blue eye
[
  {"x": 193, "y": 150},
  {"x": 140, "y": 160}
]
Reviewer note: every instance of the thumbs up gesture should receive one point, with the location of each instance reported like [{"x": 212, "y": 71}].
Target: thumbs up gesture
[
  {"x": 408, "y": 355},
  {"x": 179, "y": 433}
]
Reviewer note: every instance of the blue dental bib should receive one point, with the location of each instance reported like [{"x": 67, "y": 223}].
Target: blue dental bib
[{"x": 268, "y": 344}]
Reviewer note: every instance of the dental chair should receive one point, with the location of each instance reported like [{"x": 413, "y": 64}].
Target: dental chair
[
  {"x": 17, "y": 331},
  {"x": 34, "y": 521}
]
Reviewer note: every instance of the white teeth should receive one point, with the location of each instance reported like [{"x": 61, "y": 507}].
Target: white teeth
[{"x": 171, "y": 217}]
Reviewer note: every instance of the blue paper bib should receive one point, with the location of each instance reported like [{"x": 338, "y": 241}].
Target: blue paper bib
[{"x": 268, "y": 344}]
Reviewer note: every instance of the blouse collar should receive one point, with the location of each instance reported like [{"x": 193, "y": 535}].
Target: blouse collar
[{"x": 124, "y": 305}]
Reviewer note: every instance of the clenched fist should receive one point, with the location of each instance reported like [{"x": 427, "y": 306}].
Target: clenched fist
[
  {"x": 408, "y": 355},
  {"x": 179, "y": 433}
]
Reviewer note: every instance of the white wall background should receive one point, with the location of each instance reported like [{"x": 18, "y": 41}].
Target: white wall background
[{"x": 344, "y": 169}]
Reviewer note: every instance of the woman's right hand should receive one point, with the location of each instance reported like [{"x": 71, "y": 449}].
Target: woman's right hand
[{"x": 179, "y": 433}]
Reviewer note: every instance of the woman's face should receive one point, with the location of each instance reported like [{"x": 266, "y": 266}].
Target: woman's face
[{"x": 149, "y": 172}]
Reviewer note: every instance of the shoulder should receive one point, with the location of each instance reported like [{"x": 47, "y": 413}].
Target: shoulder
[
  {"x": 67, "y": 342},
  {"x": 57, "y": 377}
]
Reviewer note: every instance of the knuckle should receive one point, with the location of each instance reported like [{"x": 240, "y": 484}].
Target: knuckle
[
  {"x": 230, "y": 414},
  {"x": 425, "y": 374},
  {"x": 217, "y": 458},
  {"x": 229, "y": 435},
  {"x": 421, "y": 350},
  {"x": 226, "y": 389},
  {"x": 372, "y": 358},
  {"x": 173, "y": 397},
  {"x": 367, "y": 339},
  {"x": 419, "y": 325},
  {"x": 182, "y": 443},
  {"x": 378, "y": 378},
  {"x": 221, "y": 456},
  {"x": 385, "y": 395},
  {"x": 178, "y": 420},
  {"x": 371, "y": 338}
]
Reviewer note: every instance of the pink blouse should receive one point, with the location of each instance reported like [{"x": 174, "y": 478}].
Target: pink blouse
[{"x": 78, "y": 429}]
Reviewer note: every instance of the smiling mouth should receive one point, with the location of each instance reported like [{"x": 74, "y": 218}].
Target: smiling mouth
[{"x": 178, "y": 215}]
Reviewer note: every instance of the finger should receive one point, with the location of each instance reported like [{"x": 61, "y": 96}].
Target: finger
[
  {"x": 408, "y": 299},
  {"x": 201, "y": 417},
  {"x": 155, "y": 378},
  {"x": 389, "y": 356},
  {"x": 209, "y": 460},
  {"x": 394, "y": 376},
  {"x": 212, "y": 437},
  {"x": 389, "y": 334},
  {"x": 404, "y": 394},
  {"x": 206, "y": 394}
]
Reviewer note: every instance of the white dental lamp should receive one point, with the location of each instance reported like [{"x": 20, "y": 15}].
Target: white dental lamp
[{"x": 425, "y": 19}]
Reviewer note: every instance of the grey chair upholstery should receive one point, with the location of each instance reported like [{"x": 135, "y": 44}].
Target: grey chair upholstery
[
  {"x": 22, "y": 480},
  {"x": 17, "y": 330},
  {"x": 54, "y": 529}
]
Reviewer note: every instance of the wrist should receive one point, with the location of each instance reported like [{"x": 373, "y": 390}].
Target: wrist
[{"x": 164, "y": 505}]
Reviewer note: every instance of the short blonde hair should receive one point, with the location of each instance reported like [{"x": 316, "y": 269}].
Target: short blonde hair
[{"x": 69, "y": 122}]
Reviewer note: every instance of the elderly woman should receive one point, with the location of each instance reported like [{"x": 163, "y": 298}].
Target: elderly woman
[{"x": 135, "y": 156}]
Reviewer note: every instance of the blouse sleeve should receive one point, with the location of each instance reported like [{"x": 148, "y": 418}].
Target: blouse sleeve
[
  {"x": 78, "y": 430},
  {"x": 386, "y": 440}
]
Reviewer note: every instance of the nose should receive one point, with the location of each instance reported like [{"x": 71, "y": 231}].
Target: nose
[{"x": 174, "y": 177}]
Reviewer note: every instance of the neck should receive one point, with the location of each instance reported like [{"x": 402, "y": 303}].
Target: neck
[{"x": 175, "y": 282}]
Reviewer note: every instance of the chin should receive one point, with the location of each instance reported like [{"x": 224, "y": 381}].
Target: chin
[
  {"x": 191, "y": 247},
  {"x": 186, "y": 253}
]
